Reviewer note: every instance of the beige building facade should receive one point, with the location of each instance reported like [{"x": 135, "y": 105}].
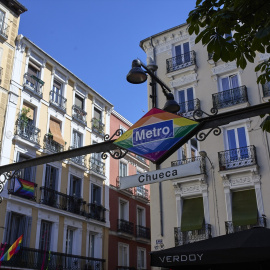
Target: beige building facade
[
  {"x": 66, "y": 207},
  {"x": 231, "y": 191}
]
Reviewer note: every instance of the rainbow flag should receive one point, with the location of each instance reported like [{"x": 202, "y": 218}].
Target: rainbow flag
[
  {"x": 24, "y": 187},
  {"x": 12, "y": 250}
]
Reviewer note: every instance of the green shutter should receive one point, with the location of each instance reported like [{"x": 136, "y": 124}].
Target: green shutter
[
  {"x": 244, "y": 208},
  {"x": 192, "y": 214}
]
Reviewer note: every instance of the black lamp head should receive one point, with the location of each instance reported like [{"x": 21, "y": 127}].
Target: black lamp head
[
  {"x": 171, "y": 105},
  {"x": 136, "y": 75}
]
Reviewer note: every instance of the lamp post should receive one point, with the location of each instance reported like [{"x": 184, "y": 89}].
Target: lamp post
[{"x": 137, "y": 75}]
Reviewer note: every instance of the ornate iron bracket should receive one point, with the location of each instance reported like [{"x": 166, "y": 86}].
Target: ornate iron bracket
[
  {"x": 197, "y": 114},
  {"x": 3, "y": 179},
  {"x": 117, "y": 153},
  {"x": 202, "y": 136}
]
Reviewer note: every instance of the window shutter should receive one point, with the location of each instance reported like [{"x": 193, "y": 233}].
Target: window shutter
[
  {"x": 244, "y": 208},
  {"x": 192, "y": 214}
]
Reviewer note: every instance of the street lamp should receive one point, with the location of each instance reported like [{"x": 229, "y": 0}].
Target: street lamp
[{"x": 137, "y": 75}]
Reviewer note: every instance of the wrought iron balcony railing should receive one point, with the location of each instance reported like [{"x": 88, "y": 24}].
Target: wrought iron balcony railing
[
  {"x": 96, "y": 212},
  {"x": 97, "y": 166},
  {"x": 129, "y": 190},
  {"x": 58, "y": 100},
  {"x": 52, "y": 145},
  {"x": 182, "y": 238},
  {"x": 230, "y": 228},
  {"x": 97, "y": 126},
  {"x": 189, "y": 160},
  {"x": 79, "y": 114},
  {"x": 141, "y": 192},
  {"x": 34, "y": 84},
  {"x": 235, "y": 158},
  {"x": 230, "y": 97},
  {"x": 187, "y": 108},
  {"x": 30, "y": 258},
  {"x": 181, "y": 61},
  {"x": 125, "y": 226},
  {"x": 27, "y": 131},
  {"x": 142, "y": 232},
  {"x": 80, "y": 160},
  {"x": 4, "y": 27},
  {"x": 62, "y": 201},
  {"x": 266, "y": 89}
]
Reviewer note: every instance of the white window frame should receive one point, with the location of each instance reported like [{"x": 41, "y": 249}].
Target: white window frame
[
  {"x": 143, "y": 216},
  {"x": 125, "y": 163},
  {"x": 139, "y": 265},
  {"x": 220, "y": 88},
  {"x": 182, "y": 47},
  {"x": 120, "y": 260},
  {"x": 126, "y": 209}
]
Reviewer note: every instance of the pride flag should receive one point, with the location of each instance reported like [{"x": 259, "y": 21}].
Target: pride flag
[
  {"x": 12, "y": 250},
  {"x": 24, "y": 187}
]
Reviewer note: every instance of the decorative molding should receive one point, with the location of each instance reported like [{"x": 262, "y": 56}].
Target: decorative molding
[
  {"x": 224, "y": 68},
  {"x": 186, "y": 79}
]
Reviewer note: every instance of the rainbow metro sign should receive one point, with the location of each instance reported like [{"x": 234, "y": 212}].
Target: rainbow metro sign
[{"x": 155, "y": 134}]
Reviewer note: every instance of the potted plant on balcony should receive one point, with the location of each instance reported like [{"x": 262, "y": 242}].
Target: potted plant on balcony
[{"x": 23, "y": 119}]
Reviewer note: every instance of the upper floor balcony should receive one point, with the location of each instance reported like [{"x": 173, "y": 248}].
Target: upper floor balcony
[
  {"x": 186, "y": 237},
  {"x": 238, "y": 157},
  {"x": 52, "y": 145},
  {"x": 181, "y": 61},
  {"x": 96, "y": 211},
  {"x": 97, "y": 126},
  {"x": 33, "y": 84},
  {"x": 56, "y": 199},
  {"x": 141, "y": 192},
  {"x": 126, "y": 227},
  {"x": 79, "y": 114},
  {"x": 97, "y": 166},
  {"x": 230, "y": 97},
  {"x": 58, "y": 101},
  {"x": 26, "y": 130},
  {"x": 187, "y": 108},
  {"x": 30, "y": 258},
  {"x": 80, "y": 160},
  {"x": 266, "y": 89},
  {"x": 184, "y": 161},
  {"x": 142, "y": 232},
  {"x": 4, "y": 28},
  {"x": 231, "y": 228},
  {"x": 127, "y": 190}
]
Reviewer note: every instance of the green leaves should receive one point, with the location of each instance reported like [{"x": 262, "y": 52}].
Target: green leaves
[{"x": 265, "y": 125}]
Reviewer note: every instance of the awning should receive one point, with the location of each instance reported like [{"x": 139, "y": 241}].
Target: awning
[
  {"x": 192, "y": 215},
  {"x": 250, "y": 247},
  {"x": 244, "y": 208},
  {"x": 56, "y": 132},
  {"x": 30, "y": 109}
]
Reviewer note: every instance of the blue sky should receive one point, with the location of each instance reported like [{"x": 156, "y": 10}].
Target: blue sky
[{"x": 98, "y": 39}]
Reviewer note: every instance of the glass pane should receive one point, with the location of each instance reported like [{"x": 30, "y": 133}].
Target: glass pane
[
  {"x": 182, "y": 101},
  {"x": 190, "y": 98},
  {"x": 232, "y": 144},
  {"x": 186, "y": 52},
  {"x": 242, "y": 142},
  {"x": 234, "y": 81}
]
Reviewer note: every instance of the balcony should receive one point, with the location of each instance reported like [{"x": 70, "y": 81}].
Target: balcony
[
  {"x": 187, "y": 108},
  {"x": 125, "y": 227},
  {"x": 142, "y": 232},
  {"x": 230, "y": 97},
  {"x": 58, "y": 101},
  {"x": 33, "y": 84},
  {"x": 80, "y": 160},
  {"x": 62, "y": 201},
  {"x": 97, "y": 166},
  {"x": 30, "y": 258},
  {"x": 79, "y": 114},
  {"x": 182, "y": 238},
  {"x": 230, "y": 228},
  {"x": 96, "y": 212},
  {"x": 181, "y": 61},
  {"x": 189, "y": 160},
  {"x": 51, "y": 145},
  {"x": 235, "y": 158},
  {"x": 27, "y": 131},
  {"x": 266, "y": 89},
  {"x": 97, "y": 126},
  {"x": 4, "y": 28},
  {"x": 141, "y": 192}
]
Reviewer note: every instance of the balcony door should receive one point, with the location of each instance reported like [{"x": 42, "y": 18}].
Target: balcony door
[
  {"x": 57, "y": 93},
  {"x": 229, "y": 83},
  {"x": 181, "y": 53},
  {"x": 75, "y": 186},
  {"x": 123, "y": 256},
  {"x": 45, "y": 235},
  {"x": 186, "y": 100}
]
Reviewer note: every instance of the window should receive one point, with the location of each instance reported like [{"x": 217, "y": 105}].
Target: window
[
  {"x": 29, "y": 173},
  {"x": 141, "y": 258},
  {"x": 2, "y": 22},
  {"x": 51, "y": 177},
  {"x": 97, "y": 114},
  {"x": 123, "y": 210},
  {"x": 186, "y": 100},
  {"x": 140, "y": 216},
  {"x": 28, "y": 114},
  {"x": 45, "y": 235},
  {"x": 123, "y": 254},
  {"x": 182, "y": 53},
  {"x": 91, "y": 244},
  {"x": 123, "y": 169},
  {"x": 96, "y": 194},
  {"x": 79, "y": 102},
  {"x": 75, "y": 186},
  {"x": 77, "y": 139},
  {"x": 57, "y": 93},
  {"x": 229, "y": 82}
]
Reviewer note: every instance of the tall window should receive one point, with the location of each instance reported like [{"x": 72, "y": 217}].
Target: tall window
[
  {"x": 229, "y": 82},
  {"x": 51, "y": 177},
  {"x": 123, "y": 169},
  {"x": 45, "y": 235},
  {"x": 123, "y": 256},
  {"x": 141, "y": 258},
  {"x": 69, "y": 241},
  {"x": 2, "y": 22},
  {"x": 97, "y": 114},
  {"x": 186, "y": 100},
  {"x": 96, "y": 194},
  {"x": 57, "y": 93},
  {"x": 79, "y": 102},
  {"x": 182, "y": 53},
  {"x": 75, "y": 186},
  {"x": 140, "y": 217},
  {"x": 77, "y": 139},
  {"x": 123, "y": 210},
  {"x": 91, "y": 243},
  {"x": 28, "y": 173}
]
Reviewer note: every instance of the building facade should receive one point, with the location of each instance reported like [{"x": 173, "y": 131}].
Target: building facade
[
  {"x": 129, "y": 235},
  {"x": 61, "y": 208},
  {"x": 231, "y": 191}
]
